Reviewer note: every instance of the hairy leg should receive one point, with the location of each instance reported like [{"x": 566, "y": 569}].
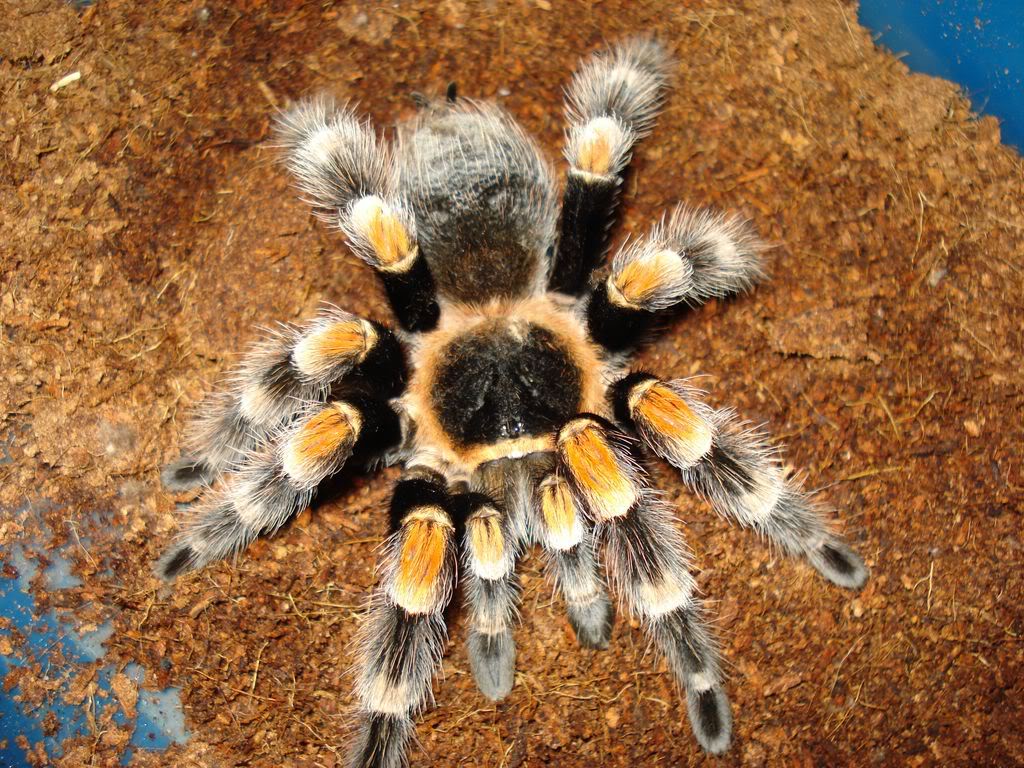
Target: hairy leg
[
  {"x": 568, "y": 540},
  {"x": 611, "y": 103},
  {"x": 491, "y": 593},
  {"x": 349, "y": 177},
  {"x": 690, "y": 257},
  {"x": 278, "y": 479},
  {"x": 539, "y": 511},
  {"x": 647, "y": 563},
  {"x": 735, "y": 470},
  {"x": 403, "y": 636},
  {"x": 278, "y": 377}
]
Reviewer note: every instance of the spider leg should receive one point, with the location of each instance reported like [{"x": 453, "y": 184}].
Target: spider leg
[
  {"x": 568, "y": 539},
  {"x": 648, "y": 566},
  {"x": 735, "y": 470},
  {"x": 401, "y": 641},
  {"x": 498, "y": 527},
  {"x": 279, "y": 479},
  {"x": 492, "y": 592},
  {"x": 689, "y": 257},
  {"x": 281, "y": 373},
  {"x": 611, "y": 103},
  {"x": 349, "y": 178},
  {"x": 535, "y": 514}
]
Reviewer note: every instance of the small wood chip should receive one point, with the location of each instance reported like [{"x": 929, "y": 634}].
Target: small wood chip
[
  {"x": 126, "y": 691},
  {"x": 782, "y": 684},
  {"x": 66, "y": 81}
]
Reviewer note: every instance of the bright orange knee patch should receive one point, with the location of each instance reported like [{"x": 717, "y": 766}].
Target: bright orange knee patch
[
  {"x": 383, "y": 230},
  {"x": 322, "y": 443},
  {"x": 603, "y": 477},
  {"x": 594, "y": 155},
  {"x": 487, "y": 544},
  {"x": 347, "y": 341},
  {"x": 661, "y": 409},
  {"x": 334, "y": 427},
  {"x": 418, "y": 587},
  {"x": 642, "y": 279},
  {"x": 563, "y": 528},
  {"x": 599, "y": 149}
]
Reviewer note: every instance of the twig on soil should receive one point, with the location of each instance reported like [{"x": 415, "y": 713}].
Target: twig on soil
[
  {"x": 323, "y": 742},
  {"x": 268, "y": 94},
  {"x": 818, "y": 413},
  {"x": 892, "y": 421},
  {"x": 981, "y": 343},
  {"x": 846, "y": 713},
  {"x": 931, "y": 573},
  {"x": 920, "y": 227},
  {"x": 145, "y": 616},
  {"x": 868, "y": 473},
  {"x": 367, "y": 540},
  {"x": 463, "y": 718},
  {"x": 220, "y": 683},
  {"x": 835, "y": 679},
  {"x": 256, "y": 671},
  {"x": 74, "y": 530},
  {"x": 65, "y": 81}
]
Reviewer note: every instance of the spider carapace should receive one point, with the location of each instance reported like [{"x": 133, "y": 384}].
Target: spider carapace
[{"x": 505, "y": 394}]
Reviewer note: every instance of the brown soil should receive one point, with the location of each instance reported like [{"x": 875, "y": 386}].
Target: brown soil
[{"x": 146, "y": 231}]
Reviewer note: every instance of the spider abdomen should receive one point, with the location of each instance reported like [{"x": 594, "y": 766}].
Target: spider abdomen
[
  {"x": 484, "y": 200},
  {"x": 505, "y": 380}
]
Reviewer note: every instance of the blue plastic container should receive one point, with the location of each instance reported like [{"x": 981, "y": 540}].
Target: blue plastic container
[{"x": 976, "y": 43}]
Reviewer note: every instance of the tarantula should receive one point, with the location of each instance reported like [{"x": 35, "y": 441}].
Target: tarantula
[{"x": 505, "y": 395}]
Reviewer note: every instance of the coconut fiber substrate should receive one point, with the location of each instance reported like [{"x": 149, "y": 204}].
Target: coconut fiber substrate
[{"x": 148, "y": 230}]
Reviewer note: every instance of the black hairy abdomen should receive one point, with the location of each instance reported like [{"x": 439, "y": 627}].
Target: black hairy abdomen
[{"x": 505, "y": 382}]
